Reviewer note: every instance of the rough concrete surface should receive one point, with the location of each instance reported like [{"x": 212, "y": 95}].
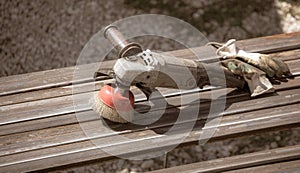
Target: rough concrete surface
[{"x": 46, "y": 34}]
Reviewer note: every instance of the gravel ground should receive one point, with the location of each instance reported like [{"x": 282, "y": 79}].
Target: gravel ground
[{"x": 46, "y": 34}]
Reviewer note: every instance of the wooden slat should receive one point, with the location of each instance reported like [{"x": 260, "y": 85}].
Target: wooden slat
[
  {"x": 39, "y": 133},
  {"x": 58, "y": 106},
  {"x": 243, "y": 161},
  {"x": 85, "y": 87},
  {"x": 236, "y": 103},
  {"x": 62, "y": 105},
  {"x": 282, "y": 167},
  {"x": 59, "y": 111},
  {"x": 66, "y": 154},
  {"x": 82, "y": 151},
  {"x": 287, "y": 55},
  {"x": 281, "y": 42},
  {"x": 51, "y": 92},
  {"x": 294, "y": 65},
  {"x": 40, "y": 80},
  {"x": 236, "y": 106},
  {"x": 64, "y": 76}
]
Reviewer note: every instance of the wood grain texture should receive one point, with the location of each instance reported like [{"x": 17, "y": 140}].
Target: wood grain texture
[
  {"x": 57, "y": 91},
  {"x": 63, "y": 98},
  {"x": 39, "y": 126},
  {"x": 64, "y": 76},
  {"x": 235, "y": 106},
  {"x": 281, "y": 167},
  {"x": 58, "y": 109},
  {"x": 243, "y": 161},
  {"x": 58, "y": 145}
]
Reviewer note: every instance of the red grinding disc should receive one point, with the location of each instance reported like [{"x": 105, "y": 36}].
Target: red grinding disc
[{"x": 115, "y": 100}]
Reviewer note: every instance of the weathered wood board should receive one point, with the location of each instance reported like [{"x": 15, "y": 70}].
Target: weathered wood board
[{"x": 39, "y": 128}]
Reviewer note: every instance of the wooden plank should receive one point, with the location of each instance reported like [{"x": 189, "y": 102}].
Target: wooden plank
[
  {"x": 63, "y": 142},
  {"x": 235, "y": 107},
  {"x": 81, "y": 152},
  {"x": 45, "y": 108},
  {"x": 38, "y": 159},
  {"x": 59, "y": 111},
  {"x": 67, "y": 147},
  {"x": 51, "y": 92},
  {"x": 40, "y": 80},
  {"x": 281, "y": 167},
  {"x": 64, "y": 76},
  {"x": 241, "y": 161},
  {"x": 287, "y": 55},
  {"x": 281, "y": 42},
  {"x": 85, "y": 87},
  {"x": 62, "y": 105}
]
